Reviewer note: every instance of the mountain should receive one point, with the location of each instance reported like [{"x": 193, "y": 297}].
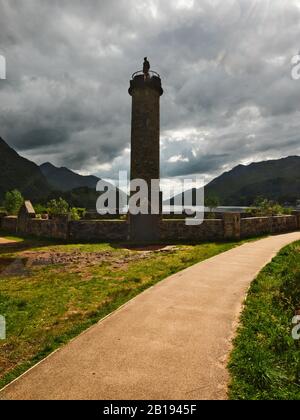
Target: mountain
[
  {"x": 64, "y": 179},
  {"x": 77, "y": 190},
  {"x": 19, "y": 173},
  {"x": 277, "y": 180},
  {"x": 41, "y": 184}
]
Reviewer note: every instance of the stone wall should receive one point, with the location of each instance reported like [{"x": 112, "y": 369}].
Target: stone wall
[
  {"x": 232, "y": 227},
  {"x": 99, "y": 230},
  {"x": 176, "y": 230},
  {"x": 9, "y": 224},
  {"x": 56, "y": 228},
  {"x": 284, "y": 224},
  {"x": 255, "y": 226}
]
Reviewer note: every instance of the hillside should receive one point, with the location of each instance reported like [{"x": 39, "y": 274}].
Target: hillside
[
  {"x": 64, "y": 179},
  {"x": 18, "y": 172},
  {"x": 277, "y": 180},
  {"x": 40, "y": 184},
  {"x": 274, "y": 179}
]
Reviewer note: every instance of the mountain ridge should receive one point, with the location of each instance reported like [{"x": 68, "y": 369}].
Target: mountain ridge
[
  {"x": 65, "y": 179},
  {"x": 275, "y": 179},
  {"x": 20, "y": 173}
]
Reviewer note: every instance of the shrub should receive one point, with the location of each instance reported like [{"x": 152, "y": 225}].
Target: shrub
[
  {"x": 212, "y": 202},
  {"x": 13, "y": 201},
  {"x": 264, "y": 207},
  {"x": 40, "y": 209},
  {"x": 74, "y": 213},
  {"x": 57, "y": 207}
]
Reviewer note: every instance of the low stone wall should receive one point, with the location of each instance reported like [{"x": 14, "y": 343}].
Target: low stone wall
[
  {"x": 9, "y": 224},
  {"x": 284, "y": 224},
  {"x": 176, "y": 230},
  {"x": 99, "y": 230},
  {"x": 52, "y": 228},
  {"x": 255, "y": 226},
  {"x": 231, "y": 227}
]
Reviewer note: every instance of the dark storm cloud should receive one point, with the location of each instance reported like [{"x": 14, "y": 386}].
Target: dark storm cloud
[{"x": 229, "y": 96}]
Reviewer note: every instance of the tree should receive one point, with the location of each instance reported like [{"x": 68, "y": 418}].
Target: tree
[
  {"x": 13, "y": 201},
  {"x": 212, "y": 202},
  {"x": 57, "y": 207},
  {"x": 264, "y": 207}
]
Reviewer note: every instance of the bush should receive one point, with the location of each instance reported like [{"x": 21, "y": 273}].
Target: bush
[
  {"x": 77, "y": 213},
  {"x": 264, "y": 207},
  {"x": 57, "y": 207},
  {"x": 13, "y": 201},
  {"x": 40, "y": 209},
  {"x": 212, "y": 202}
]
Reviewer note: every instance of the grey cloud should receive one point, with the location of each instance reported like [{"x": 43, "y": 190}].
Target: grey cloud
[{"x": 225, "y": 70}]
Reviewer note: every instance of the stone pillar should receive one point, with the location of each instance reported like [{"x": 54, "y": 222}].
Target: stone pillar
[
  {"x": 26, "y": 213},
  {"x": 296, "y": 213},
  {"x": 232, "y": 226},
  {"x": 145, "y": 148}
]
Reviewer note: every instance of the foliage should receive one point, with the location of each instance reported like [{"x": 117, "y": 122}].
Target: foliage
[
  {"x": 212, "y": 202},
  {"x": 57, "y": 207},
  {"x": 264, "y": 207},
  {"x": 265, "y": 363},
  {"x": 40, "y": 209},
  {"x": 77, "y": 213},
  {"x": 13, "y": 201}
]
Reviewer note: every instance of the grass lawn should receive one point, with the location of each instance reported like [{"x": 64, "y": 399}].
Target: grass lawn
[
  {"x": 265, "y": 363},
  {"x": 49, "y": 293}
]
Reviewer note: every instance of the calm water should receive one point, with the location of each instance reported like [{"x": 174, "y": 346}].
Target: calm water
[
  {"x": 179, "y": 209},
  {"x": 168, "y": 209}
]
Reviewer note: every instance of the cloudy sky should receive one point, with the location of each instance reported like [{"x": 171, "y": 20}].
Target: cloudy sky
[{"x": 225, "y": 66}]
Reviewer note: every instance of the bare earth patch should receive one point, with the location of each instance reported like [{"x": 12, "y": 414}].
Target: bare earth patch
[{"x": 80, "y": 260}]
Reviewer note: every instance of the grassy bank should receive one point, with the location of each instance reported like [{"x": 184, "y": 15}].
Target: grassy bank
[
  {"x": 265, "y": 363},
  {"x": 49, "y": 293}
]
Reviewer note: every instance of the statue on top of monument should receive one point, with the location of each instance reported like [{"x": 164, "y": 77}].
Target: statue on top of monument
[{"x": 146, "y": 68}]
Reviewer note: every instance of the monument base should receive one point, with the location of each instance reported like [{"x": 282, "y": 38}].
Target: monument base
[{"x": 144, "y": 228}]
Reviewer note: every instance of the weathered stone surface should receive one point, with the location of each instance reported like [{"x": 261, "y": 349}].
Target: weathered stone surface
[
  {"x": 232, "y": 225},
  {"x": 255, "y": 226},
  {"x": 27, "y": 209},
  {"x": 296, "y": 213},
  {"x": 169, "y": 230},
  {"x": 9, "y": 224},
  {"x": 99, "y": 230},
  {"x": 176, "y": 230},
  {"x": 145, "y": 148}
]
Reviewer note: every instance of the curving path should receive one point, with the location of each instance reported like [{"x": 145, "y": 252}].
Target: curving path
[
  {"x": 4, "y": 241},
  {"x": 171, "y": 342}
]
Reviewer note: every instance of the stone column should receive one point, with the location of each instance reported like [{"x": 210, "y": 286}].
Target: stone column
[
  {"x": 232, "y": 226},
  {"x": 145, "y": 148}
]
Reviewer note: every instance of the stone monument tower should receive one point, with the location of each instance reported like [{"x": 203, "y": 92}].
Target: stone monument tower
[{"x": 145, "y": 90}]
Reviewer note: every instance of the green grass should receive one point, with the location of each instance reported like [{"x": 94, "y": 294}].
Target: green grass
[
  {"x": 51, "y": 304},
  {"x": 265, "y": 363}
]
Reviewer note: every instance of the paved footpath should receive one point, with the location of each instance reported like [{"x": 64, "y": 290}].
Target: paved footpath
[
  {"x": 4, "y": 241},
  {"x": 171, "y": 342}
]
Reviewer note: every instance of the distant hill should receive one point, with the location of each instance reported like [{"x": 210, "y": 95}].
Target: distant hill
[
  {"x": 78, "y": 190},
  {"x": 277, "y": 180},
  {"x": 19, "y": 173},
  {"x": 64, "y": 179},
  {"x": 41, "y": 184}
]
